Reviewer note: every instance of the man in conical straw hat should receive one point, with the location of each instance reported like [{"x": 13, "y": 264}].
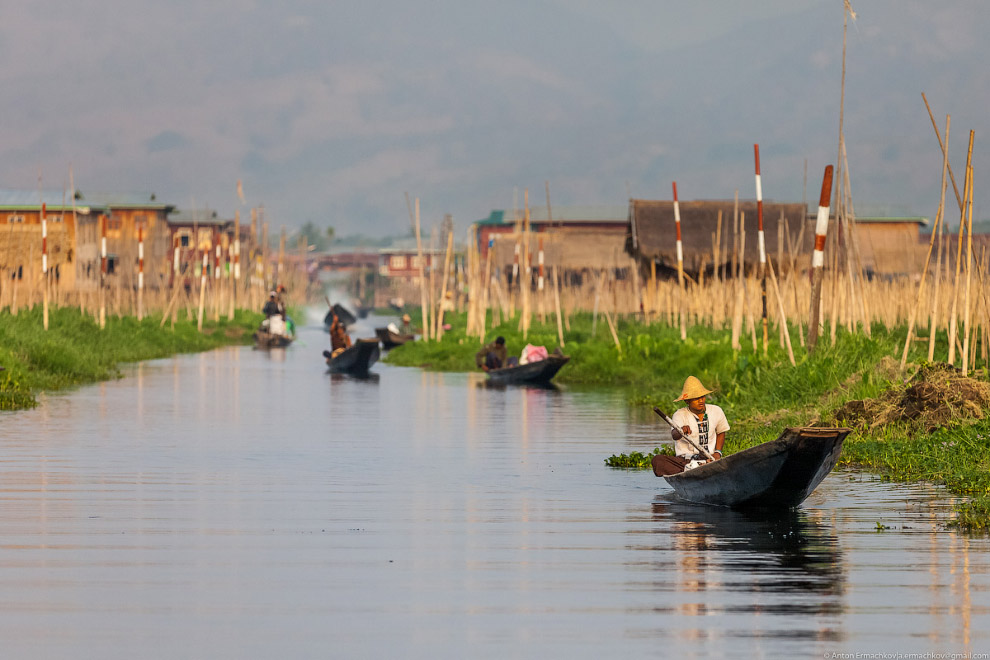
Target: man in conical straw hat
[{"x": 702, "y": 422}]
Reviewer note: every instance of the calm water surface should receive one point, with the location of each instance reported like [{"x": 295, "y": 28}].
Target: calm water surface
[{"x": 242, "y": 504}]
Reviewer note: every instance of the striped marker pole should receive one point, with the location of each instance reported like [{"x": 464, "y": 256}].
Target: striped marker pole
[
  {"x": 103, "y": 271},
  {"x": 680, "y": 261},
  {"x": 818, "y": 258},
  {"x": 762, "y": 243},
  {"x": 44, "y": 260},
  {"x": 140, "y": 272}
]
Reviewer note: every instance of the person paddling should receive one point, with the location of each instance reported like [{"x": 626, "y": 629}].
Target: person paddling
[{"x": 704, "y": 423}]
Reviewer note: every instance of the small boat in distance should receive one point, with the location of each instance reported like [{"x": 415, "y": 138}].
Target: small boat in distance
[
  {"x": 535, "y": 373},
  {"x": 776, "y": 474},
  {"x": 391, "y": 339},
  {"x": 356, "y": 359},
  {"x": 274, "y": 332}
]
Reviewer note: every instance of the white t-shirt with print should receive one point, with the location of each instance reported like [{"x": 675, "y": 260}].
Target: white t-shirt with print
[{"x": 703, "y": 432}]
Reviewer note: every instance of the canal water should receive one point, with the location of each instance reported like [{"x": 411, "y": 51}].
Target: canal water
[{"x": 244, "y": 504}]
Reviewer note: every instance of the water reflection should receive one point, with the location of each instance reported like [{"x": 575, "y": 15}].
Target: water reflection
[
  {"x": 490, "y": 385},
  {"x": 784, "y": 563},
  {"x": 369, "y": 377}
]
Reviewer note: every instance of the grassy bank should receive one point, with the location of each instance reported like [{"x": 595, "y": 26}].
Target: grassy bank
[
  {"x": 763, "y": 394},
  {"x": 74, "y": 351}
]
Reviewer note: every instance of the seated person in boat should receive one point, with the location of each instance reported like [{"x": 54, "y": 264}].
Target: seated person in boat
[
  {"x": 272, "y": 307},
  {"x": 339, "y": 339},
  {"x": 406, "y": 325},
  {"x": 704, "y": 423},
  {"x": 493, "y": 355}
]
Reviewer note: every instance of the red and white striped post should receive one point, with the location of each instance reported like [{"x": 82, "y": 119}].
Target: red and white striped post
[
  {"x": 44, "y": 262},
  {"x": 818, "y": 258},
  {"x": 762, "y": 243},
  {"x": 103, "y": 271},
  {"x": 140, "y": 291},
  {"x": 680, "y": 261}
]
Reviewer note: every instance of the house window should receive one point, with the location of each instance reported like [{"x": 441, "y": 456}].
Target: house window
[
  {"x": 54, "y": 218},
  {"x": 12, "y": 219},
  {"x": 111, "y": 263},
  {"x": 417, "y": 261},
  {"x": 114, "y": 224},
  {"x": 184, "y": 240},
  {"x": 397, "y": 262}
]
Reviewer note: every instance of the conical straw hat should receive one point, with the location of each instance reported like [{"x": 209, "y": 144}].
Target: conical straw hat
[{"x": 692, "y": 389}]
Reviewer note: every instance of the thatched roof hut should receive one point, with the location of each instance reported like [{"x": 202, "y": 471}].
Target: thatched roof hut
[
  {"x": 653, "y": 234},
  {"x": 572, "y": 250}
]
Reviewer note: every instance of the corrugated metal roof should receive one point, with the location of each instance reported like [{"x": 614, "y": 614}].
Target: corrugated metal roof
[
  {"x": 601, "y": 213},
  {"x": 54, "y": 199},
  {"x": 11, "y": 199},
  {"x": 121, "y": 200}
]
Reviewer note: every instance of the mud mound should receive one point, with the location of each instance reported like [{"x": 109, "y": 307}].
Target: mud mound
[{"x": 937, "y": 395}]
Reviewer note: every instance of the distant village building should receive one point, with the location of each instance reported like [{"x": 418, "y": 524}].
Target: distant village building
[
  {"x": 198, "y": 233},
  {"x": 122, "y": 216},
  {"x": 707, "y": 230},
  {"x": 575, "y": 240},
  {"x": 892, "y": 246},
  {"x": 21, "y": 240}
]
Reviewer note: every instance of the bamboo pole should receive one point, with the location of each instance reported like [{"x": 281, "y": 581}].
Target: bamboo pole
[
  {"x": 422, "y": 275},
  {"x": 924, "y": 273},
  {"x": 969, "y": 273},
  {"x": 611, "y": 328},
  {"x": 443, "y": 288},
  {"x": 202, "y": 291},
  {"x": 526, "y": 278},
  {"x": 556, "y": 302},
  {"x": 967, "y": 191},
  {"x": 783, "y": 315}
]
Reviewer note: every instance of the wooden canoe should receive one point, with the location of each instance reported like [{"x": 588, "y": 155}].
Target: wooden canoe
[
  {"x": 391, "y": 339},
  {"x": 264, "y": 340},
  {"x": 777, "y": 474},
  {"x": 354, "y": 360},
  {"x": 536, "y": 373}
]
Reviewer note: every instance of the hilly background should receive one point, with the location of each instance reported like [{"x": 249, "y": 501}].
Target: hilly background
[{"x": 329, "y": 112}]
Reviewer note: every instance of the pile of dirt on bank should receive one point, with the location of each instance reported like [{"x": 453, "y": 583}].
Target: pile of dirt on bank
[{"x": 937, "y": 395}]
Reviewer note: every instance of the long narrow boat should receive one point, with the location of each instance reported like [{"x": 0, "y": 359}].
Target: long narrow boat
[
  {"x": 777, "y": 474},
  {"x": 536, "y": 373},
  {"x": 356, "y": 359},
  {"x": 391, "y": 339},
  {"x": 264, "y": 340}
]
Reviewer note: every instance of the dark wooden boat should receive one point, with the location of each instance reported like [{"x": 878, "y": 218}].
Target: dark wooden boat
[
  {"x": 391, "y": 339},
  {"x": 264, "y": 339},
  {"x": 536, "y": 373},
  {"x": 344, "y": 316},
  {"x": 777, "y": 474},
  {"x": 354, "y": 360}
]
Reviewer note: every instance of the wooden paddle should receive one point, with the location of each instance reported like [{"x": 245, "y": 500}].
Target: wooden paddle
[{"x": 691, "y": 442}]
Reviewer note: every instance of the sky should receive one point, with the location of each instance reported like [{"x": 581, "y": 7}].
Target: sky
[{"x": 334, "y": 112}]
